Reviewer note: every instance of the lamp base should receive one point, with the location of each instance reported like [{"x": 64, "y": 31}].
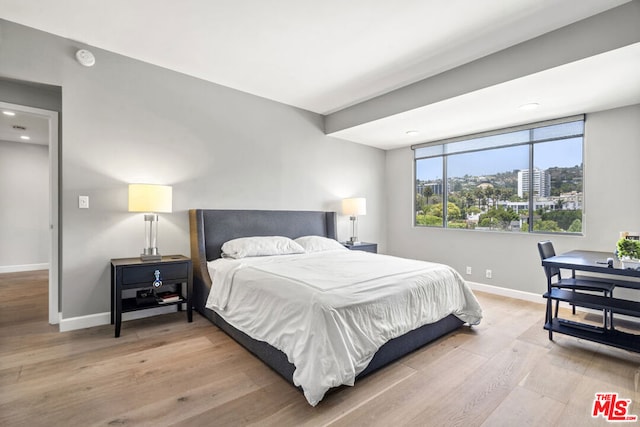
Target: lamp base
[{"x": 150, "y": 254}]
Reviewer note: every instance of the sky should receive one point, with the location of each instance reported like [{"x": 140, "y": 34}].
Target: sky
[{"x": 559, "y": 153}]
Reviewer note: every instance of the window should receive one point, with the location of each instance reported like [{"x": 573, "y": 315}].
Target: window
[{"x": 524, "y": 179}]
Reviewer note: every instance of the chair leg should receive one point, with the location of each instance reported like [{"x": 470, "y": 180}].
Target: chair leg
[{"x": 573, "y": 307}]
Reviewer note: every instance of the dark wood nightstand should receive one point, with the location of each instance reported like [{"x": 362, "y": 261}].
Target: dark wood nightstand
[
  {"x": 169, "y": 274},
  {"x": 363, "y": 246}
]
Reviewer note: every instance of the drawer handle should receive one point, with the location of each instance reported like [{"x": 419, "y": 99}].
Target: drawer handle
[{"x": 157, "y": 283}]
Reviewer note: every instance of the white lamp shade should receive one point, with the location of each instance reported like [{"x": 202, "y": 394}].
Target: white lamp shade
[
  {"x": 150, "y": 198},
  {"x": 355, "y": 206}
]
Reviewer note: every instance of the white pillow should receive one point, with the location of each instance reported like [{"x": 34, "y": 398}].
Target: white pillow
[
  {"x": 260, "y": 246},
  {"x": 318, "y": 243}
]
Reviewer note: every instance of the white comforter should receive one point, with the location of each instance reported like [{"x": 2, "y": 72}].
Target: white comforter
[{"x": 329, "y": 312}]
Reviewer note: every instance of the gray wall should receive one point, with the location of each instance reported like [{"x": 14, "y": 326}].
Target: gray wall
[
  {"x": 127, "y": 121},
  {"x": 24, "y": 201},
  {"x": 612, "y": 204}
]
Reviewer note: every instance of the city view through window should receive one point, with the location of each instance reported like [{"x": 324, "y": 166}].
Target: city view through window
[{"x": 496, "y": 188}]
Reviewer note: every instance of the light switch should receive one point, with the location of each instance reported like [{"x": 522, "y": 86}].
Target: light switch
[{"x": 83, "y": 202}]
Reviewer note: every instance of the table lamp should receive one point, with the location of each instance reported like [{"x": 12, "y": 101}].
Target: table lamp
[
  {"x": 354, "y": 207},
  {"x": 150, "y": 199}
]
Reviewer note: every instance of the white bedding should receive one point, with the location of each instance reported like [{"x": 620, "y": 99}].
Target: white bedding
[{"x": 329, "y": 312}]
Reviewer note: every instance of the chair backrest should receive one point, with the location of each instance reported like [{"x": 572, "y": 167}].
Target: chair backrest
[{"x": 545, "y": 248}]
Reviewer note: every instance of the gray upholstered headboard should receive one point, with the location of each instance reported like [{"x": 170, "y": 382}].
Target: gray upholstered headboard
[{"x": 210, "y": 228}]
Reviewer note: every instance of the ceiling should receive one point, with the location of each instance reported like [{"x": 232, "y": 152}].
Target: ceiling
[
  {"x": 574, "y": 88},
  {"x": 21, "y": 124},
  {"x": 327, "y": 55}
]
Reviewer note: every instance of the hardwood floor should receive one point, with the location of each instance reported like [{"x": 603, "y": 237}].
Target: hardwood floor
[{"x": 165, "y": 371}]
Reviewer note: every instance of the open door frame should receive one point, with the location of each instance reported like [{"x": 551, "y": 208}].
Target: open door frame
[{"x": 54, "y": 217}]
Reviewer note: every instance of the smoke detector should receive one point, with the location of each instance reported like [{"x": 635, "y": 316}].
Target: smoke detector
[{"x": 85, "y": 58}]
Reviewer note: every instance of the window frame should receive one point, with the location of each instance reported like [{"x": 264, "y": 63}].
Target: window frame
[{"x": 531, "y": 142}]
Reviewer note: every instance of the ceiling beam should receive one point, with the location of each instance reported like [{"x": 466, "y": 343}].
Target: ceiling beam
[{"x": 601, "y": 33}]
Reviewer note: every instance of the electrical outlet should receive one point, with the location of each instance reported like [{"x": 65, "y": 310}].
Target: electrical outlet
[
  {"x": 83, "y": 202},
  {"x": 488, "y": 274},
  {"x": 468, "y": 270}
]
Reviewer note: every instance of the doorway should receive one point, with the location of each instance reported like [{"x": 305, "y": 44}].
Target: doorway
[{"x": 44, "y": 125}]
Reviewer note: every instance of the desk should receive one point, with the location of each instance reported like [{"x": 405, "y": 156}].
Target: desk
[{"x": 594, "y": 262}]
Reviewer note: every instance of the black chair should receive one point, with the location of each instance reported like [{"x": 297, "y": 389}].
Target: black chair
[{"x": 575, "y": 283}]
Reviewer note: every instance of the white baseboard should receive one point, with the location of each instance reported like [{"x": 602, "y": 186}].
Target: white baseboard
[
  {"x": 82, "y": 322},
  {"x": 25, "y": 267},
  {"x": 537, "y": 298},
  {"x": 98, "y": 319},
  {"x": 505, "y": 292}
]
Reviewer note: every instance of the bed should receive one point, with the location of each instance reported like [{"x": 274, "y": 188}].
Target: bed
[{"x": 210, "y": 229}]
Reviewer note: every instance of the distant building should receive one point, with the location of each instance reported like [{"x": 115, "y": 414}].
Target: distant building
[
  {"x": 571, "y": 201},
  {"x": 435, "y": 186},
  {"x": 517, "y": 207},
  {"x": 541, "y": 182}
]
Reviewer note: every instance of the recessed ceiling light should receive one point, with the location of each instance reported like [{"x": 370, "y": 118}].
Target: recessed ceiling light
[
  {"x": 530, "y": 106},
  {"x": 412, "y": 132},
  {"x": 25, "y": 137},
  {"x": 8, "y": 113}
]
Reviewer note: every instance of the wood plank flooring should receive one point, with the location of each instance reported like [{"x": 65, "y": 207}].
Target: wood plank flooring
[{"x": 165, "y": 371}]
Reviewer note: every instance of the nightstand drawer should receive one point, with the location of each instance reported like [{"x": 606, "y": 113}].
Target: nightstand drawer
[{"x": 146, "y": 273}]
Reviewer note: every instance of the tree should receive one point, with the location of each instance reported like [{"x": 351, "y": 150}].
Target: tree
[
  {"x": 469, "y": 198},
  {"x": 429, "y": 220},
  {"x": 427, "y": 192},
  {"x": 497, "y": 196},
  {"x": 563, "y": 218},
  {"x": 575, "y": 227},
  {"x": 479, "y": 193},
  {"x": 473, "y": 210},
  {"x": 420, "y": 205},
  {"x": 542, "y": 225},
  {"x": 498, "y": 217},
  {"x": 453, "y": 212},
  {"x": 490, "y": 194}
]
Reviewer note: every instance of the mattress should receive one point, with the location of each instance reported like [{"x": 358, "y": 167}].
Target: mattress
[{"x": 329, "y": 312}]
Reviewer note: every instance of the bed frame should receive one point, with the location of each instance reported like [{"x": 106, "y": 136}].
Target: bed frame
[{"x": 210, "y": 228}]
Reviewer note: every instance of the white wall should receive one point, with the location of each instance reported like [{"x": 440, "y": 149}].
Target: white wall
[
  {"x": 126, "y": 121},
  {"x": 24, "y": 201},
  {"x": 612, "y": 204},
  {"x": 604, "y": 32}
]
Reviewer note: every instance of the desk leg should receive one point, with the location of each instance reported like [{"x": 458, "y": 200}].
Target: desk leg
[{"x": 549, "y": 315}]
